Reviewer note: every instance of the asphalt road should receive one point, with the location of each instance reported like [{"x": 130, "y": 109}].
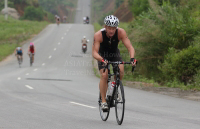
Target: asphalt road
[{"x": 60, "y": 90}]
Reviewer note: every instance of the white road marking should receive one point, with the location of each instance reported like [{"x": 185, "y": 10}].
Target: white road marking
[
  {"x": 54, "y": 49},
  {"x": 43, "y": 64},
  {"x": 49, "y": 57},
  {"x": 35, "y": 70},
  {"x": 65, "y": 33},
  {"x": 27, "y": 74},
  {"x": 82, "y": 105},
  {"x": 18, "y": 78},
  {"x": 59, "y": 43},
  {"x": 29, "y": 87},
  {"x": 67, "y": 30},
  {"x": 62, "y": 38}
]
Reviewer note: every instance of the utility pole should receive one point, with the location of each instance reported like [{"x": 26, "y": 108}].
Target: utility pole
[{"x": 6, "y": 9}]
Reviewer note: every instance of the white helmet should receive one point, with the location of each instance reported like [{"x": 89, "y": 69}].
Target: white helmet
[
  {"x": 84, "y": 37},
  {"x": 111, "y": 20}
]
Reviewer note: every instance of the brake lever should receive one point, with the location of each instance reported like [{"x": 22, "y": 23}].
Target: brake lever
[{"x": 133, "y": 67}]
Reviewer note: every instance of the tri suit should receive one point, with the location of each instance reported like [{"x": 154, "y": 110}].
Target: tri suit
[{"x": 109, "y": 48}]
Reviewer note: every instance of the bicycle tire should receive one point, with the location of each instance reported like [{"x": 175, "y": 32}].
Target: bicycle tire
[
  {"x": 119, "y": 102},
  {"x": 18, "y": 60},
  {"x": 31, "y": 59},
  {"x": 104, "y": 115}
]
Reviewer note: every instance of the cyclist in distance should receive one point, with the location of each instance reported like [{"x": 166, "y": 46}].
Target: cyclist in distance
[
  {"x": 55, "y": 17},
  {"x": 105, "y": 48},
  {"x": 19, "y": 52},
  {"x": 31, "y": 50},
  {"x": 87, "y": 19},
  {"x": 58, "y": 20}
]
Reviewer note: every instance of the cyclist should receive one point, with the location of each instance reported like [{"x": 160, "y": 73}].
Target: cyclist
[
  {"x": 31, "y": 50},
  {"x": 19, "y": 52},
  {"x": 64, "y": 19},
  {"x": 58, "y": 20},
  {"x": 84, "y": 20},
  {"x": 55, "y": 17},
  {"x": 105, "y": 48},
  {"x": 87, "y": 19}
]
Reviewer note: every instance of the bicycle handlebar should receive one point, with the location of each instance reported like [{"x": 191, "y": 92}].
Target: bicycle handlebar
[{"x": 119, "y": 62}]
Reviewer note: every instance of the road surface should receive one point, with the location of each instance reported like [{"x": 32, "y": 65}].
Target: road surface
[{"x": 60, "y": 90}]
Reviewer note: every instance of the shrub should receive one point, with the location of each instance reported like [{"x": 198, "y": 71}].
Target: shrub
[
  {"x": 154, "y": 34},
  {"x": 32, "y": 13},
  {"x": 138, "y": 6},
  {"x": 182, "y": 65},
  {"x": 176, "y": 2}
]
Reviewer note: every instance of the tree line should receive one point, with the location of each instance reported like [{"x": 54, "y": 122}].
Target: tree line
[{"x": 166, "y": 38}]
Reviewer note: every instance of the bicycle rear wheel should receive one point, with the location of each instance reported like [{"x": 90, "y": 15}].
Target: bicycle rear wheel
[
  {"x": 104, "y": 115},
  {"x": 31, "y": 59},
  {"x": 119, "y": 103},
  {"x": 18, "y": 58}
]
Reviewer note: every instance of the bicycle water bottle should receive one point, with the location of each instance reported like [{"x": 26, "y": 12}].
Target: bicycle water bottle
[{"x": 111, "y": 86}]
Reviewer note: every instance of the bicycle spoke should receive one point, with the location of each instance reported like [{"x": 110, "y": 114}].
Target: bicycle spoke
[
  {"x": 104, "y": 115},
  {"x": 119, "y": 104}
]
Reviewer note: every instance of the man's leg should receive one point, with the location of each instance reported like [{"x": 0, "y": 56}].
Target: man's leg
[
  {"x": 121, "y": 66},
  {"x": 103, "y": 85},
  {"x": 22, "y": 57},
  {"x": 17, "y": 56},
  {"x": 33, "y": 57}
]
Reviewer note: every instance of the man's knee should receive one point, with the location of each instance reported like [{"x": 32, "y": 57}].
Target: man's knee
[{"x": 104, "y": 75}]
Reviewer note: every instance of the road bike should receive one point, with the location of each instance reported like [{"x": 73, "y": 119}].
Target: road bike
[
  {"x": 117, "y": 99},
  {"x": 19, "y": 58},
  {"x": 31, "y": 59}
]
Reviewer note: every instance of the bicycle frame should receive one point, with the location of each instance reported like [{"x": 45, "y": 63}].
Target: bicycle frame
[
  {"x": 19, "y": 58},
  {"x": 110, "y": 99},
  {"x": 31, "y": 59},
  {"x": 117, "y": 99}
]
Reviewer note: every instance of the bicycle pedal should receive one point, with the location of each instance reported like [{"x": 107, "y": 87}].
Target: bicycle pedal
[
  {"x": 112, "y": 104},
  {"x": 105, "y": 110}
]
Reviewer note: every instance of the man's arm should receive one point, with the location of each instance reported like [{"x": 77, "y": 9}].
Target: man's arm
[
  {"x": 96, "y": 46},
  {"x": 127, "y": 43}
]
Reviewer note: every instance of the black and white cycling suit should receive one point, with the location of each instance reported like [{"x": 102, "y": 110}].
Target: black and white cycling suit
[{"x": 109, "y": 48}]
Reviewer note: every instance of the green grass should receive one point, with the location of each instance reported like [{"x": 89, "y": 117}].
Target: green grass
[
  {"x": 97, "y": 26},
  {"x": 6, "y": 49},
  {"x": 13, "y": 32}
]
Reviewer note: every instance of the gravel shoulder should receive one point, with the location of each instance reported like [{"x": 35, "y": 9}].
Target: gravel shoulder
[{"x": 174, "y": 92}]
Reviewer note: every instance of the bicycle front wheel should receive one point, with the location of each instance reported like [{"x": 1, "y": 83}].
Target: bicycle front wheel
[
  {"x": 31, "y": 59},
  {"x": 104, "y": 115},
  {"x": 119, "y": 103}
]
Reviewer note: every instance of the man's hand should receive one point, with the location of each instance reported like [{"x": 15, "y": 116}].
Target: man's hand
[
  {"x": 133, "y": 62},
  {"x": 105, "y": 62}
]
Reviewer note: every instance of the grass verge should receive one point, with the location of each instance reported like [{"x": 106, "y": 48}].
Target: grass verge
[{"x": 13, "y": 32}]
